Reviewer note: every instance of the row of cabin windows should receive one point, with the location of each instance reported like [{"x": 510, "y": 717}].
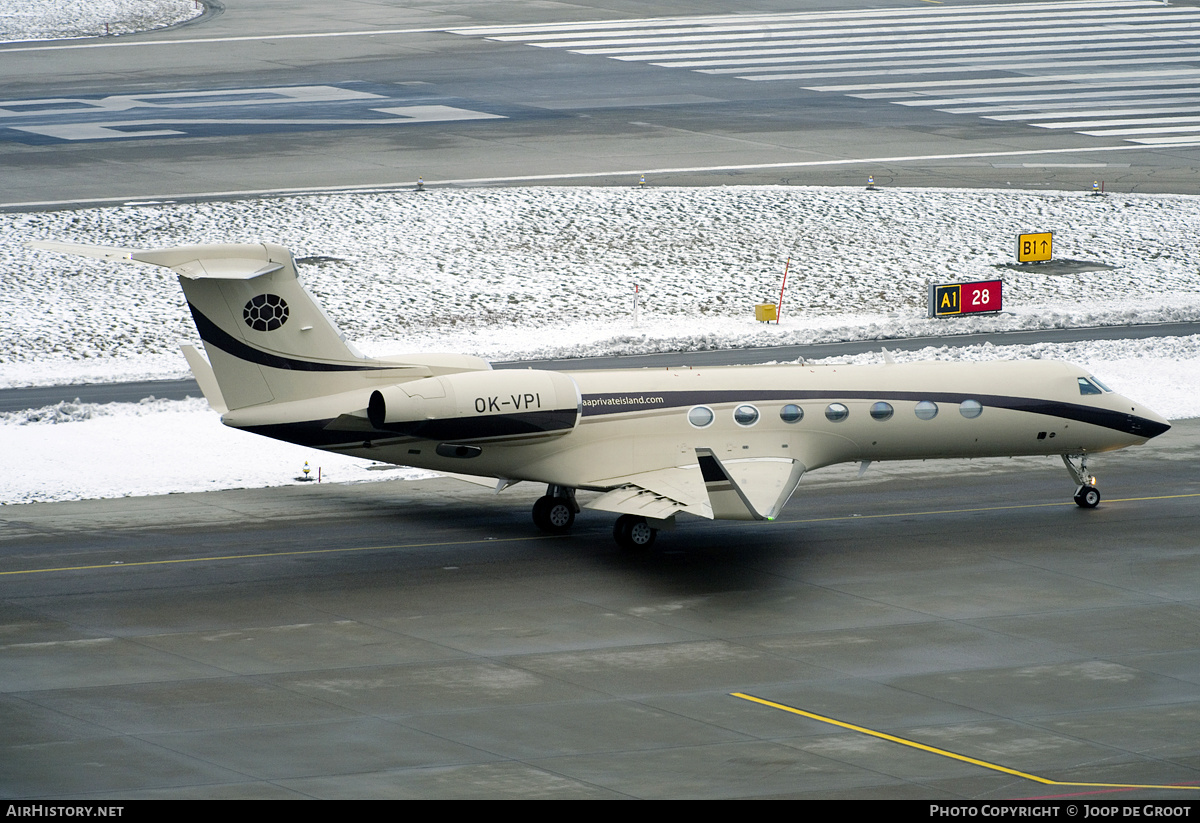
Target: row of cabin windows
[{"x": 747, "y": 415}]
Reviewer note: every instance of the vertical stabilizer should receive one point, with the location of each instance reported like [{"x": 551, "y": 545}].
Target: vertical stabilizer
[{"x": 266, "y": 339}]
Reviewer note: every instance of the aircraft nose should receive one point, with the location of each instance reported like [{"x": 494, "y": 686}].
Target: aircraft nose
[{"x": 1145, "y": 422}]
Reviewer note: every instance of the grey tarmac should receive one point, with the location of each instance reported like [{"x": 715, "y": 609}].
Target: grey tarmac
[
  {"x": 421, "y": 639},
  {"x": 565, "y": 118}
]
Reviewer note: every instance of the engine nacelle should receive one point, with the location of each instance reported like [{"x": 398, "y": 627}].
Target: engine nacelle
[{"x": 476, "y": 405}]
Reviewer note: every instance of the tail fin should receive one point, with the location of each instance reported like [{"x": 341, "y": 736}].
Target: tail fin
[{"x": 267, "y": 340}]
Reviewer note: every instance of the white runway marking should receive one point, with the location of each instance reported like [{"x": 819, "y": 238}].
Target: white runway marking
[
  {"x": 1116, "y": 55},
  {"x": 248, "y": 38},
  {"x": 1094, "y": 50},
  {"x": 162, "y": 114}
]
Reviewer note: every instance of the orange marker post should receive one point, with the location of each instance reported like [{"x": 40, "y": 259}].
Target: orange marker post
[{"x": 779, "y": 308}]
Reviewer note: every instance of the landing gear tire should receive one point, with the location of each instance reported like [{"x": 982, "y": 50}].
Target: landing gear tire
[
  {"x": 554, "y": 515},
  {"x": 633, "y": 532},
  {"x": 1087, "y": 497}
]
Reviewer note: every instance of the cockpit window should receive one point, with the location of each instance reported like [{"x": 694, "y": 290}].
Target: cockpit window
[
  {"x": 1087, "y": 387},
  {"x": 1093, "y": 378}
]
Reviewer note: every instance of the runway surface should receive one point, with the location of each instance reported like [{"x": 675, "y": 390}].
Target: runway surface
[
  {"x": 420, "y": 639},
  {"x": 1024, "y": 95}
]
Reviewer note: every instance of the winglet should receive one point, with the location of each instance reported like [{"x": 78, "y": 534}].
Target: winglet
[
  {"x": 748, "y": 489},
  {"x": 727, "y": 499}
]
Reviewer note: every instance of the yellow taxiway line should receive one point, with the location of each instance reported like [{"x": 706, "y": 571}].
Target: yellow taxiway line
[
  {"x": 952, "y": 755},
  {"x": 119, "y": 564}
]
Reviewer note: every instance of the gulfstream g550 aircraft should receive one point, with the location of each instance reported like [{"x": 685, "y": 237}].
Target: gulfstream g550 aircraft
[{"x": 729, "y": 442}]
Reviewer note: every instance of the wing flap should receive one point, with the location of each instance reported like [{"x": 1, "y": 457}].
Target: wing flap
[
  {"x": 639, "y": 501},
  {"x": 656, "y": 494}
]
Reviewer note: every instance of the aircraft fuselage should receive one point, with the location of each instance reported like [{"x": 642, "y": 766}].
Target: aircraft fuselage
[{"x": 637, "y": 420}]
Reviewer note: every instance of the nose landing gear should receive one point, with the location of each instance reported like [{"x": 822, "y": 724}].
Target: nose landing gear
[{"x": 1087, "y": 496}]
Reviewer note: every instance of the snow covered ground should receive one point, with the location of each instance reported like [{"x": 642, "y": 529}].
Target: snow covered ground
[
  {"x": 474, "y": 270},
  {"x": 54, "y": 19},
  {"x": 550, "y": 272}
]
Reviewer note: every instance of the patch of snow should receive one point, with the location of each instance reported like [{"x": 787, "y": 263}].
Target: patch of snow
[
  {"x": 81, "y": 451},
  {"x": 22, "y": 20},
  {"x": 472, "y": 271}
]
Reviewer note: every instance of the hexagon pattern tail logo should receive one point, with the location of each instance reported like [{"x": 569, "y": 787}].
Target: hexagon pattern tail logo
[{"x": 266, "y": 312}]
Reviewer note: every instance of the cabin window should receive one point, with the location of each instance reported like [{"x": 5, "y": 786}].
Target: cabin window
[
  {"x": 791, "y": 413},
  {"x": 745, "y": 415},
  {"x": 1087, "y": 387},
  {"x": 926, "y": 410},
  {"x": 701, "y": 416},
  {"x": 836, "y": 412},
  {"x": 882, "y": 411},
  {"x": 970, "y": 409}
]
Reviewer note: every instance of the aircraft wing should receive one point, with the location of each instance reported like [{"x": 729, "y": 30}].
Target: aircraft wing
[
  {"x": 496, "y": 484},
  {"x": 754, "y": 488},
  {"x": 657, "y": 494}
]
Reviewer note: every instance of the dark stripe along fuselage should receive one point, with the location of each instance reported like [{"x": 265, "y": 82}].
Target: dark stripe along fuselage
[
  {"x": 314, "y": 433},
  {"x": 608, "y": 403}
]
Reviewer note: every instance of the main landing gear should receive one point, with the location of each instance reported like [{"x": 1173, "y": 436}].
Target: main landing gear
[
  {"x": 555, "y": 512},
  {"x": 1087, "y": 496},
  {"x": 633, "y": 532}
]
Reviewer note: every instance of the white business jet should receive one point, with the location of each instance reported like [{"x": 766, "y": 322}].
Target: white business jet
[{"x": 725, "y": 443}]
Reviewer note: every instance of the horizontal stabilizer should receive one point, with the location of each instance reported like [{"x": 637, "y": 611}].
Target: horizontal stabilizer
[
  {"x": 230, "y": 261},
  {"x": 83, "y": 250}
]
